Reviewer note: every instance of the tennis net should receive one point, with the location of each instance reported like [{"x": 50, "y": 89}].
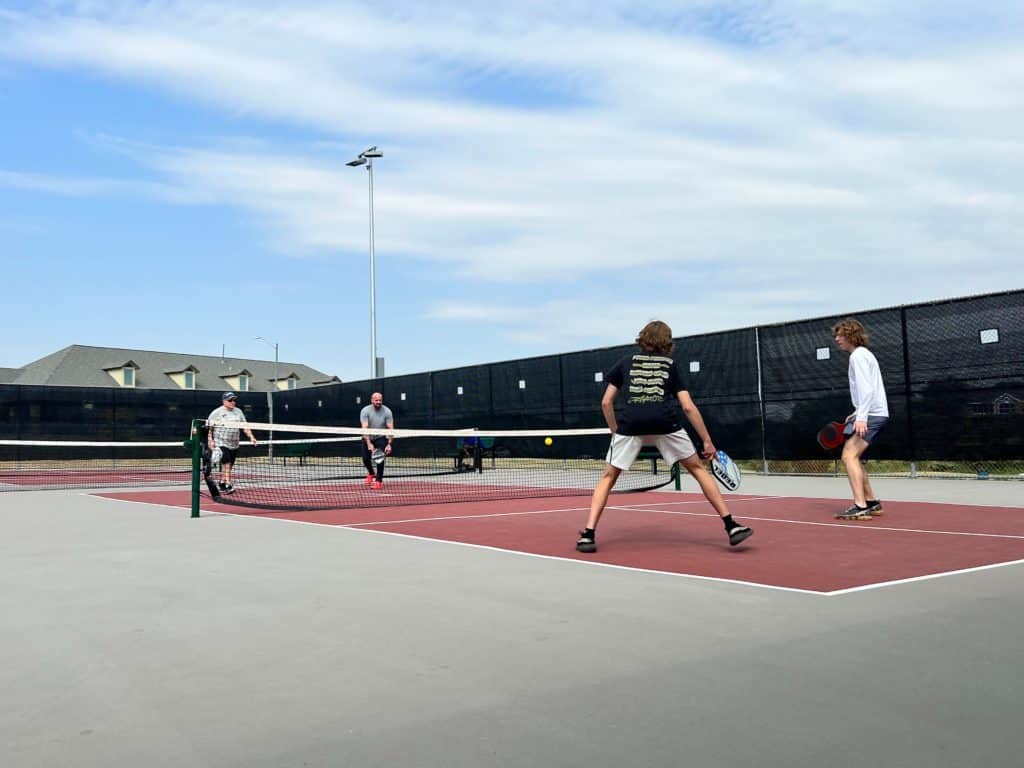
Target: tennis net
[
  {"x": 315, "y": 468},
  {"x": 33, "y": 465}
]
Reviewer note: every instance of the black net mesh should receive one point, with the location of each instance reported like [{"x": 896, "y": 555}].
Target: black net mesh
[{"x": 323, "y": 468}]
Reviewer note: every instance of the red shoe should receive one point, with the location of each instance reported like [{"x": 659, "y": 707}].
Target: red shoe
[
  {"x": 377, "y": 485},
  {"x": 369, "y": 479}
]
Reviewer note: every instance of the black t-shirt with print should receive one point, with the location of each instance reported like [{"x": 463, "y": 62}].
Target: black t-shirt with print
[{"x": 648, "y": 385}]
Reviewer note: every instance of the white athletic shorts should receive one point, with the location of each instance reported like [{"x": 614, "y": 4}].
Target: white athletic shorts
[{"x": 673, "y": 447}]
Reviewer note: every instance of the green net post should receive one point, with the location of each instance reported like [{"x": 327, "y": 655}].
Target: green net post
[
  {"x": 195, "y": 445},
  {"x": 677, "y": 477}
]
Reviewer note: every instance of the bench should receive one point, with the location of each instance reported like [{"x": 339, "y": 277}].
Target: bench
[
  {"x": 293, "y": 451},
  {"x": 653, "y": 455},
  {"x": 484, "y": 446}
]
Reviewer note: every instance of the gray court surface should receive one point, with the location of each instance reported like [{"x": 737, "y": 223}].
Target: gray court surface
[{"x": 135, "y": 636}]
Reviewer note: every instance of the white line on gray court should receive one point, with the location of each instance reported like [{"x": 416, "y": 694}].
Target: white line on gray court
[
  {"x": 592, "y": 563},
  {"x": 926, "y": 577},
  {"x": 515, "y": 552}
]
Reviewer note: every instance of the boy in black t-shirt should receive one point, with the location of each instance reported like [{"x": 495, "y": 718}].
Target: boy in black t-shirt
[{"x": 651, "y": 383}]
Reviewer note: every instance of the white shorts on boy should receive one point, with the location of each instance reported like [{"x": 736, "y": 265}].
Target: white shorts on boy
[{"x": 673, "y": 447}]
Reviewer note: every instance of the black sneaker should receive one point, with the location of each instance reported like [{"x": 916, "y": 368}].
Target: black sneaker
[
  {"x": 874, "y": 507},
  {"x": 739, "y": 534},
  {"x": 227, "y": 488},
  {"x": 586, "y": 543},
  {"x": 855, "y": 513}
]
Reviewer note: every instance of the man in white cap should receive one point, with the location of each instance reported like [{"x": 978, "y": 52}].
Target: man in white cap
[{"x": 225, "y": 439}]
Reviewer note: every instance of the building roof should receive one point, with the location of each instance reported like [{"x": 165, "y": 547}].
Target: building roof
[{"x": 84, "y": 366}]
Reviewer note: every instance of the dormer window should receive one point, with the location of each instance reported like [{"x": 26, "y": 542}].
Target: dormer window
[
  {"x": 238, "y": 382},
  {"x": 185, "y": 377},
  {"x": 123, "y": 373},
  {"x": 291, "y": 381}
]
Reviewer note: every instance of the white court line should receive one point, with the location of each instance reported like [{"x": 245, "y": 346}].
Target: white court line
[
  {"x": 514, "y": 552},
  {"x": 853, "y": 525},
  {"x": 701, "y": 500},
  {"x": 645, "y": 508},
  {"x": 100, "y": 495},
  {"x": 467, "y": 517},
  {"x": 846, "y": 500},
  {"x": 739, "y": 497},
  {"x": 926, "y": 577},
  {"x": 520, "y": 553},
  {"x": 530, "y": 512},
  {"x": 777, "y": 588},
  {"x": 514, "y": 514}
]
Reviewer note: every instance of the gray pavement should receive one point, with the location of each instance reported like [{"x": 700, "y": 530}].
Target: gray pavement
[{"x": 134, "y": 636}]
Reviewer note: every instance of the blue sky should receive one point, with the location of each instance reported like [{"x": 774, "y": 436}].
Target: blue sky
[{"x": 172, "y": 174}]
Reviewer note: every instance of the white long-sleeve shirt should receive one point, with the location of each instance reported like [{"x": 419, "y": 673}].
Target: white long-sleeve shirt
[{"x": 866, "y": 388}]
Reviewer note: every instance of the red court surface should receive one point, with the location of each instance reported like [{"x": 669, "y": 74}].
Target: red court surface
[{"x": 797, "y": 544}]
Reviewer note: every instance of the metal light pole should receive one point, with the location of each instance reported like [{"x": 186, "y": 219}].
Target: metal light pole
[
  {"x": 366, "y": 158},
  {"x": 270, "y": 402}
]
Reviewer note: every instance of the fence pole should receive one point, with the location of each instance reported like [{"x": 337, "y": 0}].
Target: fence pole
[
  {"x": 760, "y": 400},
  {"x": 911, "y": 435}
]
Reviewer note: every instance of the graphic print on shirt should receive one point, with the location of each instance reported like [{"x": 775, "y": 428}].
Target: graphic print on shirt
[{"x": 647, "y": 378}]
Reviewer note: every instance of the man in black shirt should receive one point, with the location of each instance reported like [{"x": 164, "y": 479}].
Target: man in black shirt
[{"x": 651, "y": 383}]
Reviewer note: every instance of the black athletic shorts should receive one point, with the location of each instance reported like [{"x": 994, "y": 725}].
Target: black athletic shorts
[{"x": 228, "y": 455}]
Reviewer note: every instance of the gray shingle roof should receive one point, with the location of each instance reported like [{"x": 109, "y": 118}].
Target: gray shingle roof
[{"x": 82, "y": 366}]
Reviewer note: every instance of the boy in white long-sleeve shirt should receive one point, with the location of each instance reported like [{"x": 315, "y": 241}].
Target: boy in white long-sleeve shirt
[{"x": 870, "y": 415}]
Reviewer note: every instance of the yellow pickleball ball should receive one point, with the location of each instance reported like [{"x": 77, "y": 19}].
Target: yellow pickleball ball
[{"x": 548, "y": 441}]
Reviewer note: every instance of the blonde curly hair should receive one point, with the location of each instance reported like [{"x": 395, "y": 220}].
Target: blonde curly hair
[{"x": 853, "y": 331}]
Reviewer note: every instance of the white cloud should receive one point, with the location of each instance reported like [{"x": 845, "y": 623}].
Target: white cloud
[
  {"x": 799, "y": 142},
  {"x": 75, "y": 186}
]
